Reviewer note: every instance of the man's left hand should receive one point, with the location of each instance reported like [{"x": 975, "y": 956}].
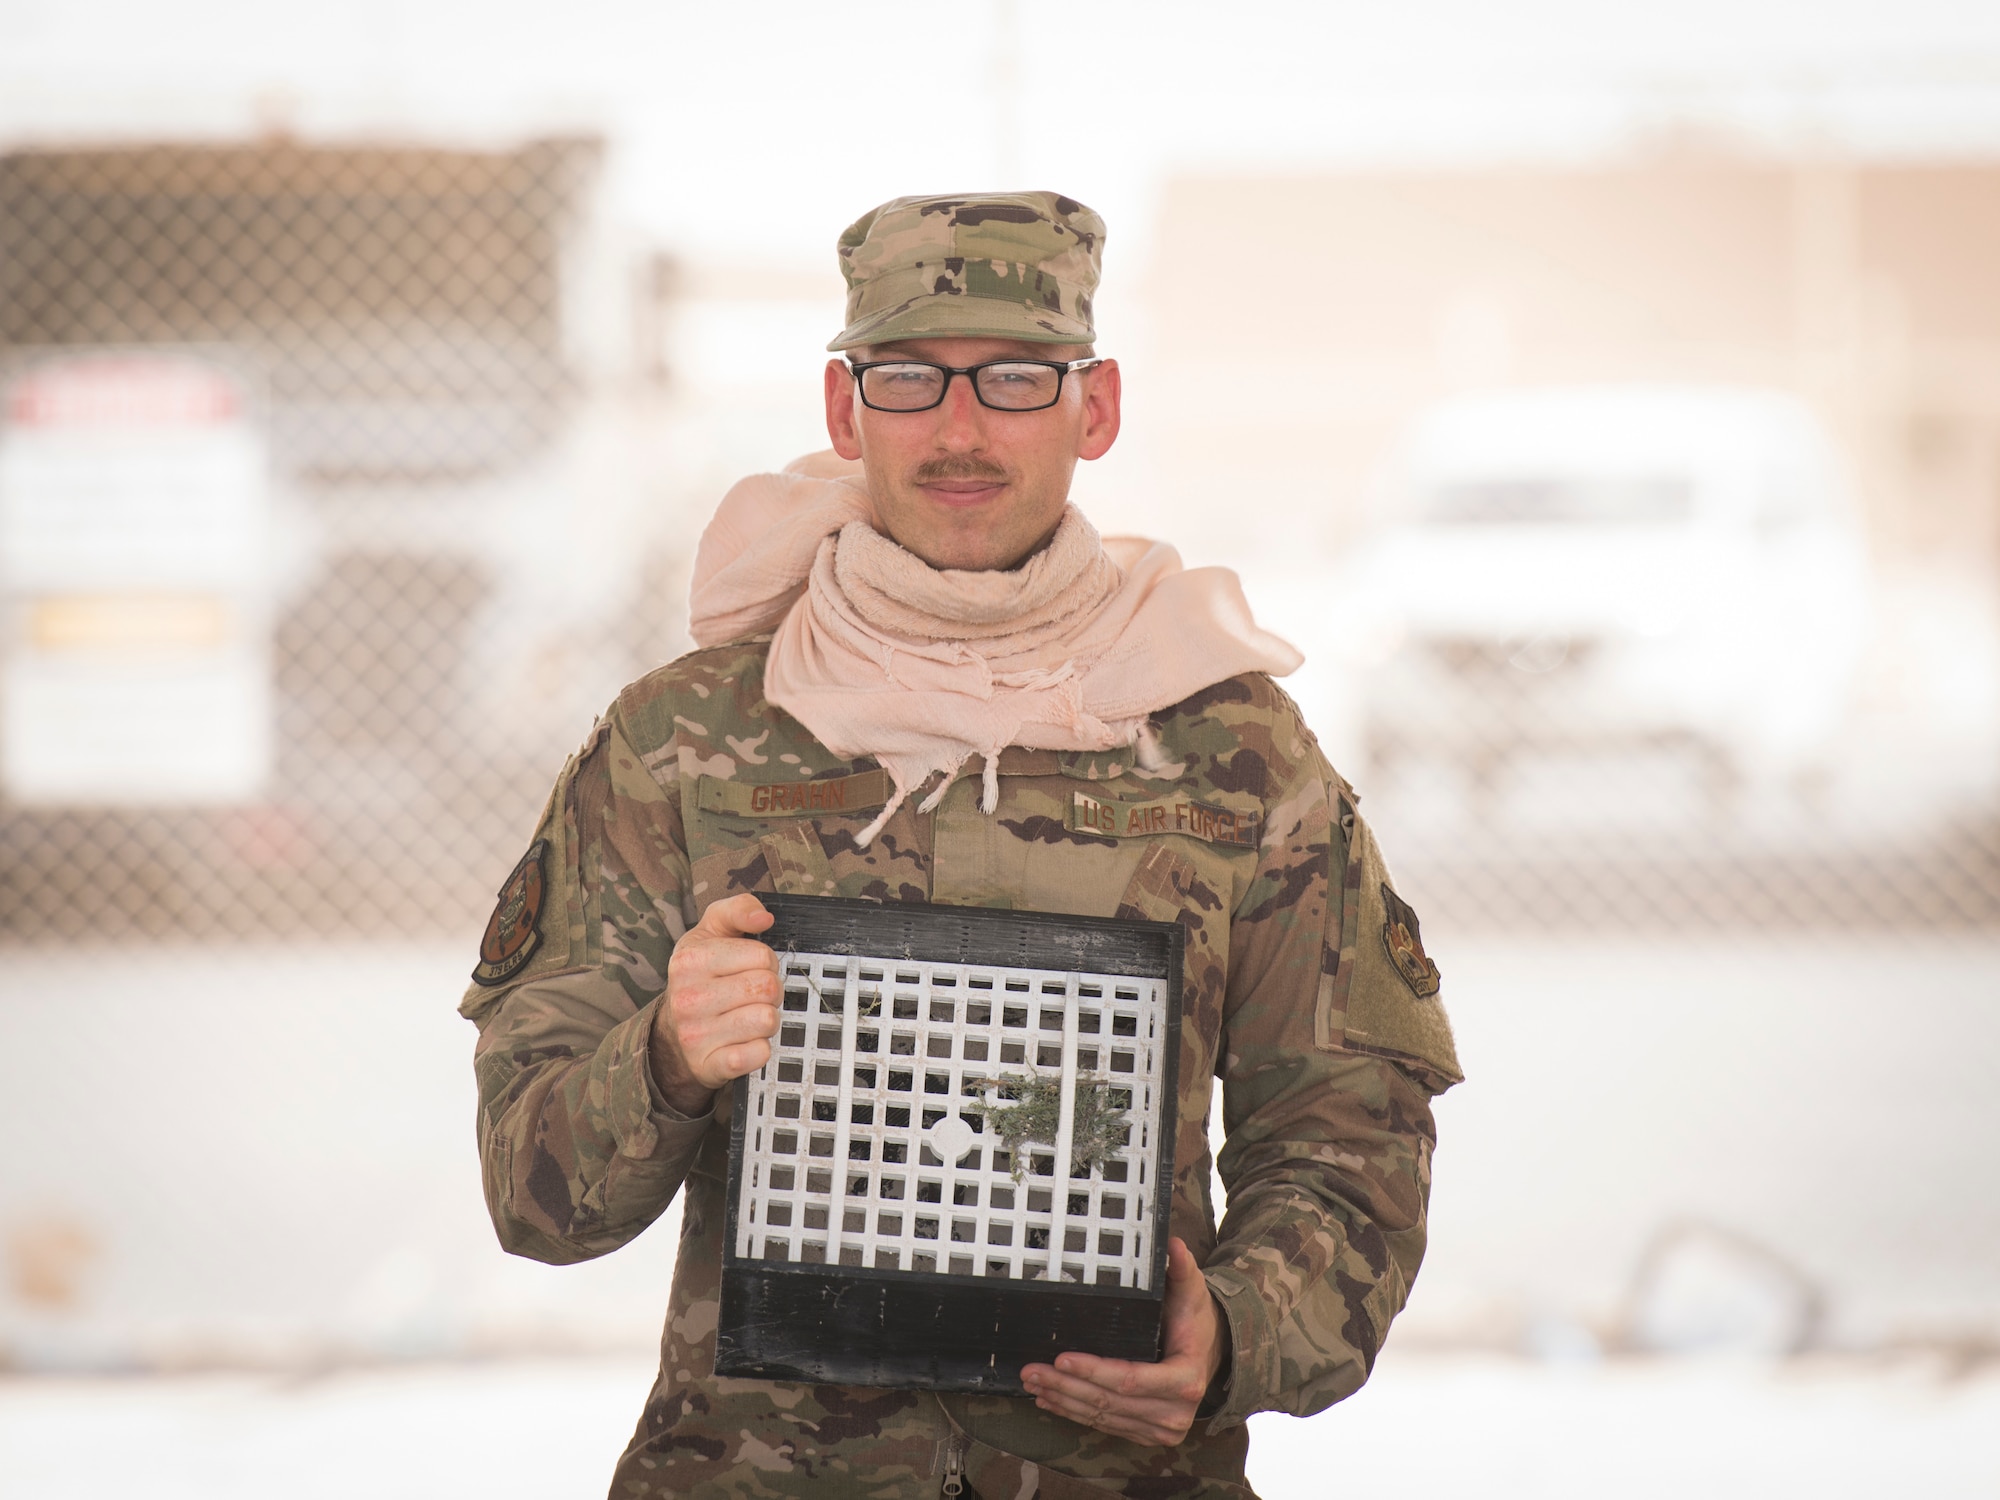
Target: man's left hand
[{"x": 1152, "y": 1404}]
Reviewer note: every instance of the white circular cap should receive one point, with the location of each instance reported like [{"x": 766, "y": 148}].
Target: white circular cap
[{"x": 950, "y": 1138}]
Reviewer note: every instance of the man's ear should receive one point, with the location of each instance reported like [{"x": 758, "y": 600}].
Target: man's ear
[
  {"x": 1102, "y": 394},
  {"x": 840, "y": 426}
]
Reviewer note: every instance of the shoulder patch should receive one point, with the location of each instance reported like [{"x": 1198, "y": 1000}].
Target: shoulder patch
[
  {"x": 514, "y": 931},
  {"x": 1381, "y": 995},
  {"x": 1406, "y": 945}
]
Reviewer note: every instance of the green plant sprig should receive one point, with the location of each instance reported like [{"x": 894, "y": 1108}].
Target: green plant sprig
[{"x": 1097, "y": 1131}]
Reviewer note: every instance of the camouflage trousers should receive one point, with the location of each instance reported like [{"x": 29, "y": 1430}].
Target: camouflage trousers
[{"x": 839, "y": 1441}]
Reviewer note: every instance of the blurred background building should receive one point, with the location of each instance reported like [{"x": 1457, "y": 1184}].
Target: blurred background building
[
  {"x": 1607, "y": 402},
  {"x": 1653, "y": 488}
]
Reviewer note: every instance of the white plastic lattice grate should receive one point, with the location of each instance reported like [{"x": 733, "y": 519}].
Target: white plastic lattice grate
[{"x": 868, "y": 1089}]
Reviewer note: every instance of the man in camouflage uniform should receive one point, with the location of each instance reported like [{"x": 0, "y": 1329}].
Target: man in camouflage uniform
[{"x": 618, "y": 988}]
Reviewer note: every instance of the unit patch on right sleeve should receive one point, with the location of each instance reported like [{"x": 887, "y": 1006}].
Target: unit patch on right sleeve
[
  {"x": 1406, "y": 945},
  {"x": 514, "y": 931}
]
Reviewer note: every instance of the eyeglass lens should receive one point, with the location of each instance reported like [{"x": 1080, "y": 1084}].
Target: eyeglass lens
[{"x": 1007, "y": 386}]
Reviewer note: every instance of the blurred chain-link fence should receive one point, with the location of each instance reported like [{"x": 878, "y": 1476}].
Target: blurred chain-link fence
[
  {"x": 277, "y": 421},
  {"x": 308, "y": 578}
]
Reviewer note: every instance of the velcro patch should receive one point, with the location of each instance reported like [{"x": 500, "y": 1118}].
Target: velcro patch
[
  {"x": 794, "y": 799},
  {"x": 1405, "y": 942},
  {"x": 514, "y": 932},
  {"x": 1182, "y": 815}
]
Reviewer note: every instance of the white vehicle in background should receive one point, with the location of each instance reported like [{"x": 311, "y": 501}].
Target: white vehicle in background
[{"x": 1597, "y": 568}]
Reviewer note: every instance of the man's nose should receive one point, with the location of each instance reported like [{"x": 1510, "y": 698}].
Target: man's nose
[{"x": 961, "y": 419}]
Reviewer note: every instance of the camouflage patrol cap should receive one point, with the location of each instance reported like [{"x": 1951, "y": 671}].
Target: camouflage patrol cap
[{"x": 992, "y": 265}]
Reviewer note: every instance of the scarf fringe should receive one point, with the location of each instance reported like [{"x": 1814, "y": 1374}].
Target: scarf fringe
[
  {"x": 1146, "y": 746},
  {"x": 989, "y": 794},
  {"x": 881, "y": 820}
]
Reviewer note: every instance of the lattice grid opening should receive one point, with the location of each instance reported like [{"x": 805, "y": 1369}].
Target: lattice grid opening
[{"x": 868, "y": 1089}]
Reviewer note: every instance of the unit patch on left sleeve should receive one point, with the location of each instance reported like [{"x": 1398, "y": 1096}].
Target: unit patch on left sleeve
[
  {"x": 1406, "y": 945},
  {"x": 514, "y": 932}
]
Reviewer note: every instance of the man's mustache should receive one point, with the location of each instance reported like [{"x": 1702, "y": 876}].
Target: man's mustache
[{"x": 933, "y": 470}]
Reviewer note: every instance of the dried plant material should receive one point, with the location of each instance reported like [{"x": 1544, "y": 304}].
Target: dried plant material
[{"x": 1097, "y": 1132}]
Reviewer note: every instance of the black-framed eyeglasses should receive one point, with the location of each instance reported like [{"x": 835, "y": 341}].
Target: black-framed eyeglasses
[{"x": 1002, "y": 384}]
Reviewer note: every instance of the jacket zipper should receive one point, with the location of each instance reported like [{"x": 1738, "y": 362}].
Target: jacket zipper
[{"x": 954, "y": 1467}]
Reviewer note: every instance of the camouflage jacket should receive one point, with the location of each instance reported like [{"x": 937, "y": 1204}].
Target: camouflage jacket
[{"x": 1306, "y": 991}]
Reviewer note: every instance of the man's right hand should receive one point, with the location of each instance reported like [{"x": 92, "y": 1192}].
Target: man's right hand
[{"x": 720, "y": 1011}]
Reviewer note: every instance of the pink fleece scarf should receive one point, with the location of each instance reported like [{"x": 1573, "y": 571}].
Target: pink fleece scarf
[{"x": 877, "y": 653}]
